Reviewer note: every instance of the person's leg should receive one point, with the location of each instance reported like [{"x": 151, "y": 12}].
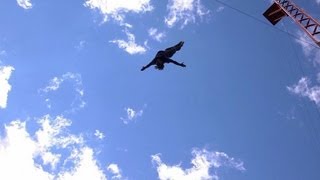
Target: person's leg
[{"x": 169, "y": 52}]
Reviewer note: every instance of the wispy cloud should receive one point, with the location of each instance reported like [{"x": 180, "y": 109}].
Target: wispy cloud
[
  {"x": 80, "y": 45},
  {"x": 99, "y": 134},
  {"x": 131, "y": 115},
  {"x": 184, "y": 11},
  {"x": 25, "y": 4},
  {"x": 220, "y": 8},
  {"x": 117, "y": 9},
  {"x": 26, "y": 156},
  {"x": 130, "y": 45},
  {"x": 5, "y": 87},
  {"x": 155, "y": 34},
  {"x": 304, "y": 89},
  {"x": 115, "y": 171},
  {"x": 55, "y": 83},
  {"x": 309, "y": 50},
  {"x": 318, "y": 1},
  {"x": 3, "y": 53},
  {"x": 203, "y": 162}
]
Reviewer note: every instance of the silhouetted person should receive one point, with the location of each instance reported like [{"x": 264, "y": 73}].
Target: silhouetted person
[{"x": 164, "y": 57}]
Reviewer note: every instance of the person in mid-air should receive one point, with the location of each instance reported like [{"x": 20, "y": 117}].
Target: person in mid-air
[{"x": 163, "y": 57}]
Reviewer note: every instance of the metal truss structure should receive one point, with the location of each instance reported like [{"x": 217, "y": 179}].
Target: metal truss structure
[{"x": 282, "y": 8}]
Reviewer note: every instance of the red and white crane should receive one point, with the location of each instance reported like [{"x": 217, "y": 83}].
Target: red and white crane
[{"x": 282, "y": 8}]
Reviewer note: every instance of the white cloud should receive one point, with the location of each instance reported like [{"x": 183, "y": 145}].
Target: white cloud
[
  {"x": 308, "y": 47},
  {"x": 203, "y": 161},
  {"x": 130, "y": 45},
  {"x": 318, "y": 1},
  {"x": 185, "y": 11},
  {"x": 131, "y": 115},
  {"x": 5, "y": 87},
  {"x": 85, "y": 166},
  {"x": 116, "y": 9},
  {"x": 115, "y": 171},
  {"x": 303, "y": 89},
  {"x": 55, "y": 83},
  {"x": 155, "y": 34},
  {"x": 25, "y": 4},
  {"x": 25, "y": 156},
  {"x": 99, "y": 134},
  {"x": 81, "y": 45},
  {"x": 3, "y": 53},
  {"x": 220, "y": 8}
]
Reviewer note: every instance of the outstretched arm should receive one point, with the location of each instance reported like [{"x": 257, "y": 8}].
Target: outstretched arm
[
  {"x": 176, "y": 63},
  {"x": 148, "y": 65}
]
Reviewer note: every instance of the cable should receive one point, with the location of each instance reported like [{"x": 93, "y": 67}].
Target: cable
[
  {"x": 281, "y": 30},
  {"x": 313, "y": 130},
  {"x": 265, "y": 23}
]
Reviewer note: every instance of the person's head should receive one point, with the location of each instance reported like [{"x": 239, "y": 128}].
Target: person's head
[{"x": 159, "y": 64}]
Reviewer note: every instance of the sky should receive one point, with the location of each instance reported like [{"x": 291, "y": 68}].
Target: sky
[{"x": 75, "y": 105}]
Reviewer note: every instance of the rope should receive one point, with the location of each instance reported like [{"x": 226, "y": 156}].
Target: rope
[
  {"x": 311, "y": 126},
  {"x": 314, "y": 133},
  {"x": 265, "y": 23}
]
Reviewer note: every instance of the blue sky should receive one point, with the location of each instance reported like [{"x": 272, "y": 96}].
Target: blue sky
[{"x": 75, "y": 105}]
